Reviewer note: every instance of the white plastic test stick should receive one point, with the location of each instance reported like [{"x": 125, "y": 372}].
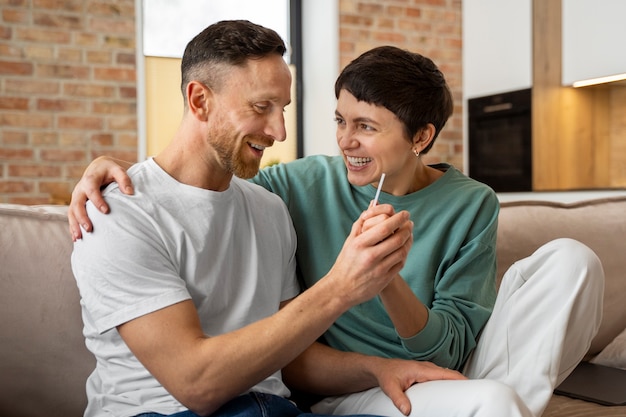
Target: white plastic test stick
[{"x": 380, "y": 187}]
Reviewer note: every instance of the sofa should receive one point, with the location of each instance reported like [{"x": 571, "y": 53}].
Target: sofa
[{"x": 44, "y": 362}]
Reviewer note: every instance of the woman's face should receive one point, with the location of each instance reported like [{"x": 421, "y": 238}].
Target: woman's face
[{"x": 372, "y": 141}]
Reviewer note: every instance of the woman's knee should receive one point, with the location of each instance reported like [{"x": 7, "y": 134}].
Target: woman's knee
[
  {"x": 495, "y": 398},
  {"x": 575, "y": 257}
]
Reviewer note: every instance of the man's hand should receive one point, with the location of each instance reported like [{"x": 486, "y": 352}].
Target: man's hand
[
  {"x": 101, "y": 171},
  {"x": 395, "y": 376},
  {"x": 370, "y": 259}
]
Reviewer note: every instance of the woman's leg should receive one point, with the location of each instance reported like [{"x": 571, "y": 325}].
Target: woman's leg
[
  {"x": 468, "y": 398},
  {"x": 548, "y": 310}
]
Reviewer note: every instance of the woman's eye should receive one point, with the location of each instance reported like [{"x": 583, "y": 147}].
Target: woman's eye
[
  {"x": 339, "y": 120},
  {"x": 363, "y": 126}
]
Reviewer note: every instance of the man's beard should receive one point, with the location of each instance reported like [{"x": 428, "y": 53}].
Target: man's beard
[{"x": 232, "y": 157}]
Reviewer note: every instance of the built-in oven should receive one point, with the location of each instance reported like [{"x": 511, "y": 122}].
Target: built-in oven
[{"x": 499, "y": 140}]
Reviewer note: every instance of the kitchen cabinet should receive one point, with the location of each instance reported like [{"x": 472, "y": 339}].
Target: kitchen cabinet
[{"x": 593, "y": 33}]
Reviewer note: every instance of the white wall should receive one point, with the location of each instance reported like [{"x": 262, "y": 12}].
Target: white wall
[{"x": 320, "y": 47}]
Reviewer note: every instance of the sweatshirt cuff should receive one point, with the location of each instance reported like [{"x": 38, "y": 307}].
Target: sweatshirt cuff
[{"x": 429, "y": 336}]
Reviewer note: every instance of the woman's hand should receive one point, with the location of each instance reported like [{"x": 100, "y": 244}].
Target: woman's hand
[{"x": 101, "y": 171}]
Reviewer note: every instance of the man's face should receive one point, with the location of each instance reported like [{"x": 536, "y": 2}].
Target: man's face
[{"x": 249, "y": 114}]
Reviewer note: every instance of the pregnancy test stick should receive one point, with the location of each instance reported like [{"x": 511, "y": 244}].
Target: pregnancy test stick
[{"x": 380, "y": 186}]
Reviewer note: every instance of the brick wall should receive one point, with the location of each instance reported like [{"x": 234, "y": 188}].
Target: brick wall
[
  {"x": 429, "y": 27},
  {"x": 68, "y": 82},
  {"x": 67, "y": 93}
]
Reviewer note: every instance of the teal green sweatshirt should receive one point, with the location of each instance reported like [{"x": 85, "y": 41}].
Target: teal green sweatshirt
[{"x": 451, "y": 267}]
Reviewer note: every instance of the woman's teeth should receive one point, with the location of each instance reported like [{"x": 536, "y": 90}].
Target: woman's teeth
[{"x": 358, "y": 161}]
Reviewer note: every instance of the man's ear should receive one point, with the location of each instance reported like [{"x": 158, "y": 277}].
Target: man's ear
[
  {"x": 423, "y": 137},
  {"x": 199, "y": 99}
]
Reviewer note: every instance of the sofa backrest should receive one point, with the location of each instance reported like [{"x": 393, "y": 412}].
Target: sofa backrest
[
  {"x": 600, "y": 224},
  {"x": 43, "y": 359}
]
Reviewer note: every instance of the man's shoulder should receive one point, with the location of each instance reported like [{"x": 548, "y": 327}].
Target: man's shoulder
[{"x": 255, "y": 191}]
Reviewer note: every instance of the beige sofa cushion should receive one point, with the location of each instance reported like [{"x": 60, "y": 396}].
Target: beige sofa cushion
[
  {"x": 44, "y": 362},
  {"x": 600, "y": 224}
]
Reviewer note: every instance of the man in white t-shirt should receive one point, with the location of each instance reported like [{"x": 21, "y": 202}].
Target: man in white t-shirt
[{"x": 188, "y": 287}]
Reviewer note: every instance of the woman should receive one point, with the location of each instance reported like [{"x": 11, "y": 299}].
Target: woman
[{"x": 391, "y": 106}]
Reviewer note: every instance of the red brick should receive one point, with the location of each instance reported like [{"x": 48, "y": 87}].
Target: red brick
[
  {"x": 6, "y": 32},
  {"x": 61, "y": 105},
  {"x": 114, "y": 74},
  {"x": 12, "y": 137},
  {"x": 127, "y": 140},
  {"x": 80, "y": 122},
  {"x": 16, "y": 186},
  {"x": 13, "y": 103},
  {"x": 128, "y": 92},
  {"x": 16, "y": 154},
  {"x": 10, "y": 51},
  {"x": 128, "y": 156},
  {"x": 99, "y": 57},
  {"x": 122, "y": 123},
  {"x": 16, "y": 68},
  {"x": 356, "y": 20},
  {"x": 89, "y": 90},
  {"x": 63, "y": 71},
  {"x": 54, "y": 5},
  {"x": 29, "y": 200},
  {"x": 34, "y": 171},
  {"x": 119, "y": 42},
  {"x": 39, "y": 52},
  {"x": 125, "y": 59},
  {"x": 56, "y": 188},
  {"x": 113, "y": 9},
  {"x": 43, "y": 35},
  {"x": 45, "y": 138},
  {"x": 15, "y": 3},
  {"x": 58, "y": 20},
  {"x": 25, "y": 120},
  {"x": 75, "y": 139},
  {"x": 112, "y": 26},
  {"x": 16, "y": 15},
  {"x": 124, "y": 108},
  {"x": 102, "y": 139},
  {"x": 370, "y": 8},
  {"x": 70, "y": 54},
  {"x": 86, "y": 39},
  {"x": 31, "y": 86},
  {"x": 62, "y": 155},
  {"x": 389, "y": 37}
]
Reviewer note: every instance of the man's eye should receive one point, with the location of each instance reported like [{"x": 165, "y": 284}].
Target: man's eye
[{"x": 262, "y": 107}]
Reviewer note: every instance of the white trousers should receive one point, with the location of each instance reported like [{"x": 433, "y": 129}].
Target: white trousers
[{"x": 548, "y": 309}]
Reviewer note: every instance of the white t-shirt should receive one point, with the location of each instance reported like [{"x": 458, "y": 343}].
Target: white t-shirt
[{"x": 231, "y": 252}]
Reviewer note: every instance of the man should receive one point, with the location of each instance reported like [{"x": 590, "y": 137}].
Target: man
[{"x": 187, "y": 287}]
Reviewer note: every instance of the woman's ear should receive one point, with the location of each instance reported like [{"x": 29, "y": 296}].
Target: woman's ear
[
  {"x": 199, "y": 98},
  {"x": 423, "y": 137}
]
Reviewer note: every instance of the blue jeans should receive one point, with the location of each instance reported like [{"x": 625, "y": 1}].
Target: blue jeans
[{"x": 254, "y": 404}]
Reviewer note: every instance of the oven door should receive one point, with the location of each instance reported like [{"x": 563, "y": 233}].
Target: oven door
[{"x": 500, "y": 148}]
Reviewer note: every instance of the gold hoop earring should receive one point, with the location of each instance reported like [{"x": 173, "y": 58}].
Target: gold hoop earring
[{"x": 416, "y": 153}]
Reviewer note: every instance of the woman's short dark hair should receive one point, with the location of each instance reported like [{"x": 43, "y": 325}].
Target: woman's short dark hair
[
  {"x": 406, "y": 83},
  {"x": 231, "y": 42}
]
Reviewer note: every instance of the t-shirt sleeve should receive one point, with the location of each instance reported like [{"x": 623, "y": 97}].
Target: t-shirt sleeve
[{"x": 122, "y": 268}]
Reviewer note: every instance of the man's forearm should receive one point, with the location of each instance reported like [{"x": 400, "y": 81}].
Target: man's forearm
[{"x": 323, "y": 370}]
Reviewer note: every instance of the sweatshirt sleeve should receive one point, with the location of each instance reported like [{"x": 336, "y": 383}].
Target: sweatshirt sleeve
[{"x": 464, "y": 290}]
